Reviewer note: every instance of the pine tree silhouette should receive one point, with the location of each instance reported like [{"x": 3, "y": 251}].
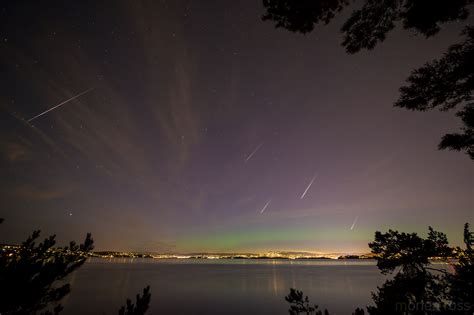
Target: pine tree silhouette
[
  {"x": 32, "y": 277},
  {"x": 141, "y": 304},
  {"x": 417, "y": 287}
]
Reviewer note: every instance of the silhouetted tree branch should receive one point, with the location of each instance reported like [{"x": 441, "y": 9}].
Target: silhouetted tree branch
[
  {"x": 30, "y": 276},
  {"x": 408, "y": 250},
  {"x": 445, "y": 83},
  {"x": 415, "y": 288},
  {"x": 461, "y": 282},
  {"x": 141, "y": 304},
  {"x": 301, "y": 305},
  {"x": 358, "y": 311},
  {"x": 370, "y": 24},
  {"x": 301, "y": 16}
]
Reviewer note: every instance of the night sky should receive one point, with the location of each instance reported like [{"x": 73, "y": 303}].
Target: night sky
[{"x": 201, "y": 127}]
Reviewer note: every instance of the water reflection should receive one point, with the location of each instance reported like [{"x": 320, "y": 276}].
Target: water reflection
[{"x": 221, "y": 286}]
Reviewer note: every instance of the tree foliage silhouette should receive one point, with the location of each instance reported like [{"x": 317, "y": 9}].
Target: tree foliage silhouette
[
  {"x": 301, "y": 16},
  {"x": 417, "y": 287},
  {"x": 461, "y": 282},
  {"x": 32, "y": 277},
  {"x": 408, "y": 251},
  {"x": 444, "y": 83},
  {"x": 141, "y": 305},
  {"x": 370, "y": 24},
  {"x": 413, "y": 283},
  {"x": 301, "y": 305}
]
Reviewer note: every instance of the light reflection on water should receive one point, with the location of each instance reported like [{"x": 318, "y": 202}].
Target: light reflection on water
[{"x": 239, "y": 286}]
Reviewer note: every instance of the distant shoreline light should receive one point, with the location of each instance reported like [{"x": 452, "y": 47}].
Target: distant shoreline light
[{"x": 267, "y": 255}]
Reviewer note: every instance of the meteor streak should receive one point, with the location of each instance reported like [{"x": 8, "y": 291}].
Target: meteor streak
[
  {"x": 254, "y": 151},
  {"x": 307, "y": 188},
  {"x": 265, "y": 206},
  {"x": 60, "y": 104},
  {"x": 354, "y": 223}
]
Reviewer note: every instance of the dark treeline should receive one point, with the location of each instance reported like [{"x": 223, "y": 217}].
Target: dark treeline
[
  {"x": 417, "y": 287},
  {"x": 32, "y": 277}
]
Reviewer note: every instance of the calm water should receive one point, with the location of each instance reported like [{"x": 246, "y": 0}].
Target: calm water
[{"x": 221, "y": 286}]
